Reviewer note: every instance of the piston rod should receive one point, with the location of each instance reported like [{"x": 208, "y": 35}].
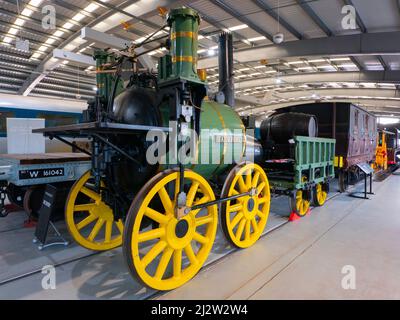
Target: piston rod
[{"x": 218, "y": 201}]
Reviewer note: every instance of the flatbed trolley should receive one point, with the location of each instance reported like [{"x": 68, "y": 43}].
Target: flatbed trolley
[
  {"x": 23, "y": 177},
  {"x": 305, "y": 178}
]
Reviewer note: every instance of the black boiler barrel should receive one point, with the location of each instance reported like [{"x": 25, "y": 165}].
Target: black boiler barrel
[{"x": 282, "y": 127}]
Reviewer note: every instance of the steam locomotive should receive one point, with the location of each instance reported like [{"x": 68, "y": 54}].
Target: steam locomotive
[{"x": 165, "y": 213}]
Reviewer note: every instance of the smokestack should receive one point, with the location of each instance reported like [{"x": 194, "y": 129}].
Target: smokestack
[{"x": 225, "y": 57}]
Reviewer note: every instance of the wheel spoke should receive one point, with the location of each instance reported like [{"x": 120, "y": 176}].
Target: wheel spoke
[
  {"x": 153, "y": 252},
  {"x": 203, "y": 220},
  {"x": 200, "y": 238},
  {"x": 96, "y": 229},
  {"x": 190, "y": 254},
  {"x": 236, "y": 220},
  {"x": 89, "y": 219},
  {"x": 254, "y": 224},
  {"x": 248, "y": 179},
  {"x": 240, "y": 229},
  {"x": 192, "y": 193},
  {"x": 156, "y": 216},
  {"x": 242, "y": 185},
  {"x": 84, "y": 207},
  {"x": 91, "y": 194},
  {"x": 162, "y": 266},
  {"x": 166, "y": 200},
  {"x": 151, "y": 235},
  {"x": 262, "y": 200},
  {"x": 260, "y": 187},
  {"x": 120, "y": 226},
  {"x": 255, "y": 179},
  {"x": 177, "y": 263},
  {"x": 260, "y": 214},
  {"x": 108, "y": 233},
  {"x": 248, "y": 231},
  {"x": 235, "y": 208}
]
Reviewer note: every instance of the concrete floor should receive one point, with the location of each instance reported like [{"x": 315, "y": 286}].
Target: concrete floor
[
  {"x": 304, "y": 260},
  {"x": 300, "y": 260}
]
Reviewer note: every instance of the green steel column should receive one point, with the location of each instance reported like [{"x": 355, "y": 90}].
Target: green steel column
[{"x": 184, "y": 24}]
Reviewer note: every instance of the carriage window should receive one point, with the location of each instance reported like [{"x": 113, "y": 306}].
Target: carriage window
[{"x": 356, "y": 121}]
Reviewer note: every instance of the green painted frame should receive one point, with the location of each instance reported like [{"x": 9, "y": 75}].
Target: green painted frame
[{"x": 310, "y": 154}]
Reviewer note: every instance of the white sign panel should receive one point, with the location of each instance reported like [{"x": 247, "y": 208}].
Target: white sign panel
[{"x": 21, "y": 140}]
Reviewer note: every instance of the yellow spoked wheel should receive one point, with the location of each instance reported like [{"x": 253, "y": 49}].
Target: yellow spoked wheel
[
  {"x": 243, "y": 220},
  {"x": 300, "y": 202},
  {"x": 320, "y": 194},
  {"x": 170, "y": 250},
  {"x": 89, "y": 220}
]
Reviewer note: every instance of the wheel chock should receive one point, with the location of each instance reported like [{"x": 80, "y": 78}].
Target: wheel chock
[{"x": 294, "y": 216}]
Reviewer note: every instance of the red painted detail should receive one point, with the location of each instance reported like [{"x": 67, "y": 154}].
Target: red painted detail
[
  {"x": 12, "y": 208},
  {"x": 30, "y": 224}
]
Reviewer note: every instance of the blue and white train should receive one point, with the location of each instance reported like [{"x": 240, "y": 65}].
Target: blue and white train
[{"x": 56, "y": 112}]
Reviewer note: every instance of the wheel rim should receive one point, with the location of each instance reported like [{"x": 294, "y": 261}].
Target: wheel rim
[
  {"x": 302, "y": 205},
  {"x": 321, "y": 194},
  {"x": 91, "y": 223},
  {"x": 171, "y": 254},
  {"x": 244, "y": 219}
]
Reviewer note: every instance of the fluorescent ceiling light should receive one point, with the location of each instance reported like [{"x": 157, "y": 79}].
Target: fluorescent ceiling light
[
  {"x": 7, "y": 39},
  {"x": 19, "y": 22},
  {"x": 58, "y": 33},
  {"x": 388, "y": 120},
  {"x": 50, "y": 41},
  {"x": 239, "y": 27},
  {"x": 27, "y": 12},
  {"x": 340, "y": 59},
  {"x": 36, "y": 55},
  {"x": 91, "y": 7},
  {"x": 13, "y": 31},
  {"x": 78, "y": 17},
  {"x": 201, "y": 51},
  {"x": 349, "y": 65},
  {"x": 211, "y": 52},
  {"x": 257, "y": 39},
  {"x": 67, "y": 25},
  {"x": 296, "y": 62},
  {"x": 317, "y": 60},
  {"x": 35, "y": 3},
  {"x": 43, "y": 48}
]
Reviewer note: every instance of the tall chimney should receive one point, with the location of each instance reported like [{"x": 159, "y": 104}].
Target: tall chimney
[{"x": 225, "y": 57}]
